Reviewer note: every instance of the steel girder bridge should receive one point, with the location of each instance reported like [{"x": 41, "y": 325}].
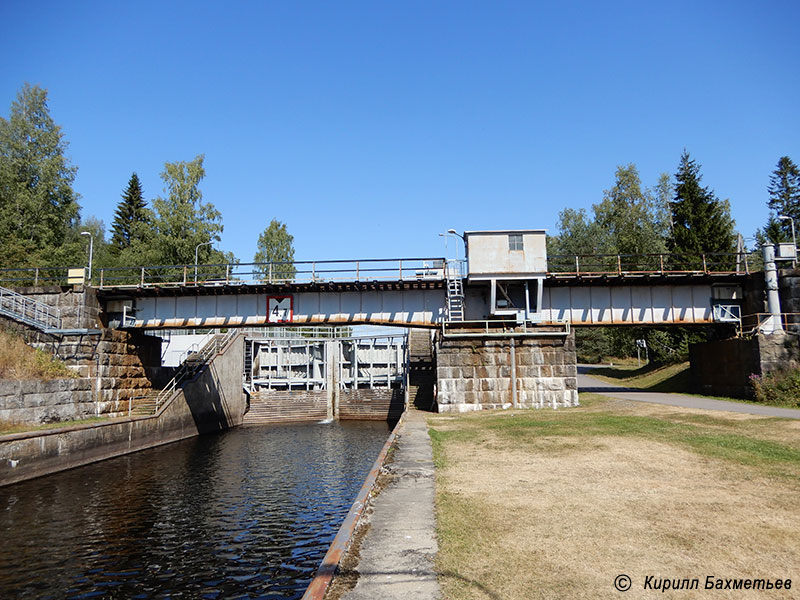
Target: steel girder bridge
[{"x": 416, "y": 292}]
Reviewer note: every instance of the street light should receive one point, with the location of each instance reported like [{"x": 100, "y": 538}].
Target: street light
[
  {"x": 91, "y": 250},
  {"x": 794, "y": 239},
  {"x": 195, "y": 256}
]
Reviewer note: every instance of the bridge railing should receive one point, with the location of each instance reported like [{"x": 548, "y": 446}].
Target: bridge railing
[
  {"x": 35, "y": 276},
  {"x": 665, "y": 264},
  {"x": 767, "y": 323},
  {"x": 321, "y": 271}
]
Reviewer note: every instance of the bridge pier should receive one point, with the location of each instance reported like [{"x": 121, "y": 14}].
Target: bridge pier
[{"x": 477, "y": 372}]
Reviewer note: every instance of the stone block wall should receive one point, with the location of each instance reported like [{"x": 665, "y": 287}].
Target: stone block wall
[
  {"x": 46, "y": 401},
  {"x": 78, "y": 304},
  {"x": 475, "y": 373}
]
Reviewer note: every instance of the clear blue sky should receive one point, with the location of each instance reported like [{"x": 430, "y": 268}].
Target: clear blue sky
[{"x": 369, "y": 128}]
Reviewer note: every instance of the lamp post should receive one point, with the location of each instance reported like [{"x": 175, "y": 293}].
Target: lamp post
[
  {"x": 455, "y": 233},
  {"x": 794, "y": 239},
  {"x": 195, "y": 256},
  {"x": 91, "y": 250}
]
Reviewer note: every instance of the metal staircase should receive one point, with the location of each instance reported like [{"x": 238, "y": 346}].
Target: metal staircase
[
  {"x": 455, "y": 292},
  {"x": 29, "y": 311},
  {"x": 194, "y": 363},
  {"x": 248, "y": 366}
]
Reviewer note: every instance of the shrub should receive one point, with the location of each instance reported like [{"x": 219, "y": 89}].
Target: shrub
[{"x": 780, "y": 388}]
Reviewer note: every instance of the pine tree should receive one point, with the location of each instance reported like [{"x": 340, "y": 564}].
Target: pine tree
[
  {"x": 130, "y": 217},
  {"x": 701, "y": 223}
]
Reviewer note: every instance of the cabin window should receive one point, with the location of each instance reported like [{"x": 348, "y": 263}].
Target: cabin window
[{"x": 515, "y": 241}]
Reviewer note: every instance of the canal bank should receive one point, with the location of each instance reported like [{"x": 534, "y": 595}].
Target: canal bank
[
  {"x": 396, "y": 556},
  {"x": 210, "y": 400}
]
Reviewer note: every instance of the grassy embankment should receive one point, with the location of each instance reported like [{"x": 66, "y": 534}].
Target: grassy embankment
[
  {"x": 20, "y": 361},
  {"x": 654, "y": 378},
  {"x": 556, "y": 504}
]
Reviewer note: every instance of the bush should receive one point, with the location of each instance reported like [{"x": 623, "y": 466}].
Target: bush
[{"x": 781, "y": 388}]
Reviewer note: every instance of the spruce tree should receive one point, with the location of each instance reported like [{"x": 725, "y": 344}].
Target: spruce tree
[
  {"x": 701, "y": 222},
  {"x": 130, "y": 216},
  {"x": 784, "y": 199}
]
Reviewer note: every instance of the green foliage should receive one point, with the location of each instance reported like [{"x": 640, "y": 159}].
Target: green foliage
[
  {"x": 132, "y": 219},
  {"x": 577, "y": 235},
  {"x": 781, "y": 388},
  {"x": 628, "y": 215},
  {"x": 182, "y": 219},
  {"x": 630, "y": 220},
  {"x": 275, "y": 245},
  {"x": 701, "y": 223},
  {"x": 38, "y": 207},
  {"x": 784, "y": 200}
]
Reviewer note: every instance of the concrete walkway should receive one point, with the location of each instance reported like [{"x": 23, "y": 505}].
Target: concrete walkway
[
  {"x": 598, "y": 386},
  {"x": 398, "y": 552}
]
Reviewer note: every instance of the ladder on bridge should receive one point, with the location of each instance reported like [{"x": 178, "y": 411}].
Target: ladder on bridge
[
  {"x": 29, "y": 311},
  {"x": 455, "y": 295},
  {"x": 247, "y": 375}
]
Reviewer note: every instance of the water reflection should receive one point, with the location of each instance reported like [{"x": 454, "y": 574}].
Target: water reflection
[{"x": 248, "y": 513}]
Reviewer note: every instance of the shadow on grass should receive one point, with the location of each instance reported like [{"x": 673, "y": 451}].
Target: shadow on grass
[{"x": 678, "y": 381}]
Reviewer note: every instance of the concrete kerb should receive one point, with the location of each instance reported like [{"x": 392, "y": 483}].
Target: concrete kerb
[{"x": 341, "y": 543}]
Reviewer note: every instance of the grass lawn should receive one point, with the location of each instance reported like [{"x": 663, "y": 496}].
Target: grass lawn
[{"x": 556, "y": 504}]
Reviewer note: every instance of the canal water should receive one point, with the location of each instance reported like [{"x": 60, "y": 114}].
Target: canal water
[{"x": 248, "y": 513}]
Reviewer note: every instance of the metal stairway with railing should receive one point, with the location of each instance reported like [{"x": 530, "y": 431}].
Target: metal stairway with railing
[
  {"x": 33, "y": 313},
  {"x": 247, "y": 375},
  {"x": 194, "y": 362},
  {"x": 455, "y": 293}
]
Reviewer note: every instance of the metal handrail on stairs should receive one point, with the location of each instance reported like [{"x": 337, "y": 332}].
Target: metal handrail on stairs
[
  {"x": 193, "y": 363},
  {"x": 29, "y": 311}
]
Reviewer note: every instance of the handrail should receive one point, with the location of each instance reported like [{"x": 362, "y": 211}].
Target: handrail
[
  {"x": 28, "y": 310},
  {"x": 505, "y": 329},
  {"x": 730, "y": 263},
  {"x": 320, "y": 271},
  {"x": 766, "y": 322},
  {"x": 212, "y": 347}
]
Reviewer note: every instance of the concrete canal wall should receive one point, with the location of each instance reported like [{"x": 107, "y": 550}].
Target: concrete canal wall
[{"x": 212, "y": 401}]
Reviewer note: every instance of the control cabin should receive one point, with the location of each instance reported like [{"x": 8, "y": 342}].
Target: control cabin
[{"x": 512, "y": 264}]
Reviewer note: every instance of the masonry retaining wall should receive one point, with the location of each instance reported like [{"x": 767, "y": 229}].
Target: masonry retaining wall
[
  {"x": 475, "y": 373},
  {"x": 114, "y": 368},
  {"x": 213, "y": 401}
]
